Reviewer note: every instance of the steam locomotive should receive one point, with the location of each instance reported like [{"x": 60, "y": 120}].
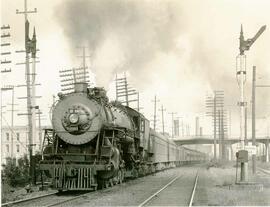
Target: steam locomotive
[{"x": 96, "y": 143}]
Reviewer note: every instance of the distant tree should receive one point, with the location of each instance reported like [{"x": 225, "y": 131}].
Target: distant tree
[{"x": 17, "y": 174}]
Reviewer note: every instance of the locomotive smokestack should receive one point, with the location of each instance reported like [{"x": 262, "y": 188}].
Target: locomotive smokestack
[{"x": 80, "y": 87}]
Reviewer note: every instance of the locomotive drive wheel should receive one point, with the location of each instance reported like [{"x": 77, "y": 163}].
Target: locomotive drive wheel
[
  {"x": 122, "y": 176},
  {"x": 119, "y": 177},
  {"x": 106, "y": 184},
  {"x": 111, "y": 182},
  {"x": 116, "y": 179},
  {"x": 119, "y": 174}
]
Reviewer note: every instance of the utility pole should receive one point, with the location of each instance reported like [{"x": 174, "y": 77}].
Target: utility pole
[
  {"x": 219, "y": 135},
  {"x": 32, "y": 46},
  {"x": 84, "y": 56},
  {"x": 177, "y": 126},
  {"x": 10, "y": 88},
  {"x": 182, "y": 126},
  {"x": 155, "y": 111},
  {"x": 124, "y": 91},
  {"x": 28, "y": 83},
  {"x": 172, "y": 113},
  {"x": 197, "y": 126},
  {"x": 215, "y": 127},
  {"x": 71, "y": 76},
  {"x": 12, "y": 122},
  {"x": 215, "y": 102},
  {"x": 254, "y": 117},
  {"x": 138, "y": 102},
  {"x": 241, "y": 79},
  {"x": 162, "y": 118},
  {"x": 5, "y": 44},
  {"x": 187, "y": 130},
  {"x": 2, "y": 112},
  {"x": 222, "y": 135},
  {"x": 39, "y": 128}
]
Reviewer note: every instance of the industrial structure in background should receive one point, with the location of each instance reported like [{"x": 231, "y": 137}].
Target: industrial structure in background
[
  {"x": 215, "y": 109},
  {"x": 176, "y": 127},
  {"x": 244, "y": 45},
  {"x": 126, "y": 94},
  {"x": 5, "y": 49},
  {"x": 172, "y": 114}
]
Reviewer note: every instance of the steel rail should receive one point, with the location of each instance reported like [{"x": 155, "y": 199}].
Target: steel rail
[
  {"x": 70, "y": 199},
  {"x": 194, "y": 189},
  {"x": 264, "y": 170},
  {"x": 27, "y": 199},
  {"x": 156, "y": 193}
]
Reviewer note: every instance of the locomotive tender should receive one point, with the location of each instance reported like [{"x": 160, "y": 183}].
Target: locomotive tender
[{"x": 95, "y": 143}]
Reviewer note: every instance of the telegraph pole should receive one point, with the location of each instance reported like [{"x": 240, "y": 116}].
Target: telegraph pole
[
  {"x": 215, "y": 103},
  {"x": 5, "y": 44},
  {"x": 215, "y": 127},
  {"x": 39, "y": 128},
  {"x": 254, "y": 140},
  {"x": 28, "y": 83},
  {"x": 124, "y": 91},
  {"x": 162, "y": 117},
  {"x": 138, "y": 103},
  {"x": 219, "y": 135},
  {"x": 177, "y": 125},
  {"x": 10, "y": 88},
  {"x": 155, "y": 111},
  {"x": 12, "y": 122},
  {"x": 172, "y": 113},
  {"x": 84, "y": 56},
  {"x": 254, "y": 117}
]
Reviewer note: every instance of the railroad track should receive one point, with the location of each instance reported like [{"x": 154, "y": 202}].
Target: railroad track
[
  {"x": 170, "y": 184},
  {"x": 27, "y": 199},
  {"x": 48, "y": 200},
  {"x": 264, "y": 170}
]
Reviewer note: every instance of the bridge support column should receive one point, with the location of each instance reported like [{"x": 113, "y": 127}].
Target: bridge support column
[
  {"x": 231, "y": 149},
  {"x": 267, "y": 151}
]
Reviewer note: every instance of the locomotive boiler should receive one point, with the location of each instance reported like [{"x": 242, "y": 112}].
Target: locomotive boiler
[{"x": 95, "y": 143}]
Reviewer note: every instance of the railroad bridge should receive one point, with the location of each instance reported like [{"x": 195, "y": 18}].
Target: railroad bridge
[{"x": 193, "y": 140}]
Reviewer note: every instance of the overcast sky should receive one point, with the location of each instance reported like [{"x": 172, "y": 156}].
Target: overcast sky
[{"x": 178, "y": 50}]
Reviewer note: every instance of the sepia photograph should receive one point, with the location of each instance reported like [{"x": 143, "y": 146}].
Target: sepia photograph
[{"x": 135, "y": 103}]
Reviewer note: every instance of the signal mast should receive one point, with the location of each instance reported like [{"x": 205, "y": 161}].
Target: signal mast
[{"x": 241, "y": 79}]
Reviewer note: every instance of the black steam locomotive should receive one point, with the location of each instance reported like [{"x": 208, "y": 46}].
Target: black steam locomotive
[{"x": 96, "y": 143}]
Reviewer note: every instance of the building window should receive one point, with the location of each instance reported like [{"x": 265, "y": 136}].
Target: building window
[
  {"x": 7, "y": 147},
  {"x": 18, "y": 148},
  {"x": 7, "y": 135},
  {"x": 18, "y": 136}
]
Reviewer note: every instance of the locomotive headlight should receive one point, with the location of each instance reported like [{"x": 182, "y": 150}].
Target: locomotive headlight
[{"x": 73, "y": 118}]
